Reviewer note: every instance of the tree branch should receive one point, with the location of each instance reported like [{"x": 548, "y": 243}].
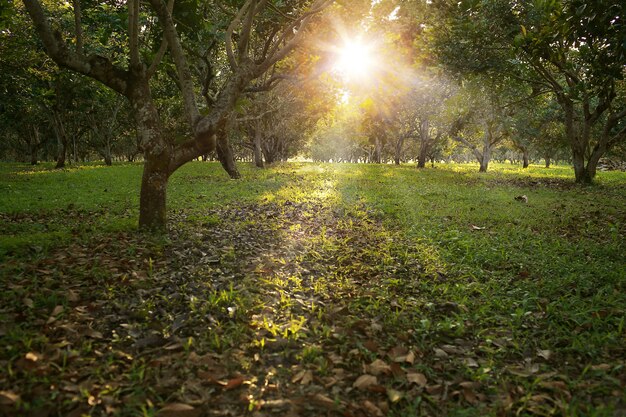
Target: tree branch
[
  {"x": 184, "y": 75},
  {"x": 94, "y": 66},
  {"x": 229, "y": 35},
  {"x": 162, "y": 48},
  {"x": 133, "y": 33},
  {"x": 78, "y": 26}
]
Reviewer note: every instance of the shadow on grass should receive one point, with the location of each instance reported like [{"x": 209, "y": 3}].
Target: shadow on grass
[{"x": 322, "y": 294}]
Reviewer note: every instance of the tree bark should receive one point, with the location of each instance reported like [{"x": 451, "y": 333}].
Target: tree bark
[
  {"x": 547, "y": 159},
  {"x": 157, "y": 155},
  {"x": 59, "y": 130},
  {"x": 581, "y": 173},
  {"x": 485, "y": 156},
  {"x": 398, "y": 153},
  {"x": 226, "y": 157},
  {"x": 152, "y": 199},
  {"x": 377, "y": 150},
  {"x": 424, "y": 136},
  {"x": 484, "y": 164},
  {"x": 525, "y": 157},
  {"x": 107, "y": 152},
  {"x": 33, "y": 144},
  {"x": 422, "y": 157},
  {"x": 258, "y": 153}
]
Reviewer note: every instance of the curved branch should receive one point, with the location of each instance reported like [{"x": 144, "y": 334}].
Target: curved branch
[
  {"x": 162, "y": 49},
  {"x": 94, "y": 66},
  {"x": 184, "y": 75},
  {"x": 229, "y": 35}
]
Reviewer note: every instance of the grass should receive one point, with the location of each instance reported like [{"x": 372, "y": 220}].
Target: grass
[{"x": 278, "y": 291}]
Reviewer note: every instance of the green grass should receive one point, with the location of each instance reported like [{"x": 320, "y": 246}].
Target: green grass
[{"x": 298, "y": 277}]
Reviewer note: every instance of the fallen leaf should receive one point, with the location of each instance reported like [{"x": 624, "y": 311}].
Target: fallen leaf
[
  {"x": 8, "y": 397},
  {"x": 28, "y": 302},
  {"x": 417, "y": 378},
  {"x": 377, "y": 388},
  {"x": 440, "y": 353},
  {"x": 323, "y": 400},
  {"x": 94, "y": 334},
  {"x": 306, "y": 378},
  {"x": 398, "y": 353},
  {"x": 396, "y": 370},
  {"x": 72, "y": 296},
  {"x": 365, "y": 381},
  {"x": 601, "y": 367},
  {"x": 370, "y": 345},
  {"x": 57, "y": 310},
  {"x": 377, "y": 327},
  {"x": 377, "y": 367},
  {"x": 544, "y": 353},
  {"x": 474, "y": 227},
  {"x": 334, "y": 358},
  {"x": 297, "y": 377},
  {"x": 469, "y": 395},
  {"x": 372, "y": 409},
  {"x": 394, "y": 395},
  {"x": 234, "y": 383},
  {"x": 471, "y": 363},
  {"x": 178, "y": 410},
  {"x": 434, "y": 389}
]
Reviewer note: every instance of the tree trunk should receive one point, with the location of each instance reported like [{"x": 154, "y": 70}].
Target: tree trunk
[
  {"x": 484, "y": 164},
  {"x": 156, "y": 150},
  {"x": 377, "y": 150},
  {"x": 425, "y": 143},
  {"x": 525, "y": 157},
  {"x": 580, "y": 171},
  {"x": 59, "y": 130},
  {"x": 422, "y": 156},
  {"x": 485, "y": 158},
  {"x": 258, "y": 153},
  {"x": 152, "y": 199},
  {"x": 271, "y": 150},
  {"x": 225, "y": 155},
  {"x": 33, "y": 145},
  {"x": 547, "y": 159},
  {"x": 33, "y": 156},
  {"x": 578, "y": 138},
  {"x": 421, "y": 161},
  {"x": 107, "y": 152},
  {"x": 399, "y": 146}
]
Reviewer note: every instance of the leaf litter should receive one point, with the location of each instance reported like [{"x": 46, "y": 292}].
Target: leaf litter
[{"x": 298, "y": 309}]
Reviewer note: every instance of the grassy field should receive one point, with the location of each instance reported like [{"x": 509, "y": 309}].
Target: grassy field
[{"x": 311, "y": 290}]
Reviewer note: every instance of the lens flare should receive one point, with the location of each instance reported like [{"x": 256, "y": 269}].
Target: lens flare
[{"x": 354, "y": 60}]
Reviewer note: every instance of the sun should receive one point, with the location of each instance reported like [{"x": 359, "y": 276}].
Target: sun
[{"x": 354, "y": 60}]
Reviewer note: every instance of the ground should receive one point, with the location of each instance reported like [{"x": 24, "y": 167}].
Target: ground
[{"x": 314, "y": 290}]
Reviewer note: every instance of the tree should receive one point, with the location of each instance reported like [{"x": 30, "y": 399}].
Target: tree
[
  {"x": 419, "y": 116},
  {"x": 255, "y": 40},
  {"x": 479, "y": 119},
  {"x": 569, "y": 48}
]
